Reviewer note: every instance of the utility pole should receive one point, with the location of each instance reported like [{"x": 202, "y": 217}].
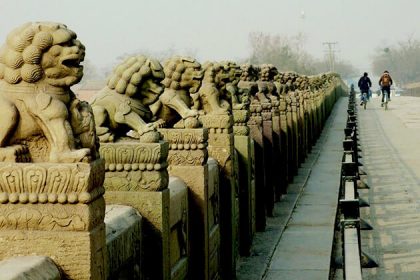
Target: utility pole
[{"x": 330, "y": 51}]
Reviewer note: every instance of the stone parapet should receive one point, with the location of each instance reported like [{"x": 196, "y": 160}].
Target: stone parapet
[
  {"x": 35, "y": 267},
  {"x": 123, "y": 241}
]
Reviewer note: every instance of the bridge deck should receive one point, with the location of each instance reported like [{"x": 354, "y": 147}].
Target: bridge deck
[
  {"x": 391, "y": 155},
  {"x": 298, "y": 241}
]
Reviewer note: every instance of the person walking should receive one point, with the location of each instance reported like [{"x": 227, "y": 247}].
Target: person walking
[
  {"x": 385, "y": 82},
  {"x": 364, "y": 85}
]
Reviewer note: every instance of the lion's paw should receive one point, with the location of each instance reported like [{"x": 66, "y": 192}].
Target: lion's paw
[
  {"x": 15, "y": 153},
  {"x": 81, "y": 155},
  {"x": 191, "y": 122},
  {"x": 150, "y": 137}
]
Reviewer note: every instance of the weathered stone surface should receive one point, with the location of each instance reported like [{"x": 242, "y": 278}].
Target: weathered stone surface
[
  {"x": 178, "y": 223},
  {"x": 246, "y": 159},
  {"x": 144, "y": 187},
  {"x": 213, "y": 265},
  {"x": 203, "y": 203},
  {"x": 123, "y": 241},
  {"x": 80, "y": 254},
  {"x": 256, "y": 133},
  {"x": 221, "y": 148},
  {"x": 29, "y": 267},
  {"x": 153, "y": 206}
]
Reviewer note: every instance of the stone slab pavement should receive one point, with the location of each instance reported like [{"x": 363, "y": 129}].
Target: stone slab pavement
[
  {"x": 299, "y": 239},
  {"x": 390, "y": 142}
]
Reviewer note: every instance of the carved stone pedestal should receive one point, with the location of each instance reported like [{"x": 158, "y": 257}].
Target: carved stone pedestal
[
  {"x": 291, "y": 140},
  {"x": 269, "y": 154},
  {"x": 244, "y": 146},
  {"x": 221, "y": 148},
  {"x": 284, "y": 167},
  {"x": 187, "y": 160},
  {"x": 278, "y": 180},
  {"x": 256, "y": 133},
  {"x": 55, "y": 210},
  {"x": 296, "y": 139},
  {"x": 136, "y": 175}
]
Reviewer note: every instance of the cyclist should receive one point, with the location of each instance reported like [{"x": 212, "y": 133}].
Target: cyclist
[
  {"x": 364, "y": 86},
  {"x": 385, "y": 82}
]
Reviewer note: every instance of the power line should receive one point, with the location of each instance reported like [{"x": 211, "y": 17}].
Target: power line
[{"x": 331, "y": 54}]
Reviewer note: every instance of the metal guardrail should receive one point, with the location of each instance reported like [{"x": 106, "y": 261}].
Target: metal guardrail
[{"x": 353, "y": 259}]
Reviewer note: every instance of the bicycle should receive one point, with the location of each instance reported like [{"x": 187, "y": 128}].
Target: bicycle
[
  {"x": 386, "y": 94},
  {"x": 364, "y": 99}
]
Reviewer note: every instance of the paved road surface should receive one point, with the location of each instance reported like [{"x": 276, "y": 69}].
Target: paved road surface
[{"x": 391, "y": 155}]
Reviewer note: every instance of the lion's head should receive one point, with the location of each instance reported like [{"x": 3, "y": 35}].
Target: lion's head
[
  {"x": 216, "y": 73},
  {"x": 138, "y": 77},
  {"x": 182, "y": 73},
  {"x": 234, "y": 71},
  {"x": 268, "y": 72},
  {"x": 249, "y": 73},
  {"x": 42, "y": 51}
]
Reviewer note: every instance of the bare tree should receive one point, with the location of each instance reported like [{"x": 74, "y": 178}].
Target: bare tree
[
  {"x": 402, "y": 60},
  {"x": 284, "y": 52},
  {"x": 287, "y": 54}
]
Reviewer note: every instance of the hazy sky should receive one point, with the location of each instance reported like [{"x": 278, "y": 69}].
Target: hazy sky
[{"x": 219, "y": 29}]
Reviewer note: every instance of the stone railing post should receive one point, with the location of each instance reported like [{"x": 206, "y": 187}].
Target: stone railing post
[
  {"x": 268, "y": 156},
  {"x": 301, "y": 126},
  {"x": 187, "y": 160},
  {"x": 295, "y": 124},
  {"x": 136, "y": 175},
  {"x": 55, "y": 210},
  {"x": 307, "y": 114},
  {"x": 291, "y": 139},
  {"x": 284, "y": 166},
  {"x": 278, "y": 181},
  {"x": 309, "y": 105},
  {"x": 244, "y": 146},
  {"x": 256, "y": 133},
  {"x": 221, "y": 148},
  {"x": 319, "y": 112}
]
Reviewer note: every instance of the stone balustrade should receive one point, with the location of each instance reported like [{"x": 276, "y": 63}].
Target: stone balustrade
[{"x": 165, "y": 195}]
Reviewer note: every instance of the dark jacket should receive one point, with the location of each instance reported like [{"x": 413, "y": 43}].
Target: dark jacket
[{"x": 364, "y": 84}]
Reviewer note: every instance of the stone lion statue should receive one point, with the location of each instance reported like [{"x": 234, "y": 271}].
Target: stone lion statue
[
  {"x": 212, "y": 95},
  {"x": 178, "y": 105},
  {"x": 230, "y": 90},
  {"x": 266, "y": 83},
  {"x": 247, "y": 85},
  {"x": 41, "y": 119},
  {"x": 122, "y": 107}
]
